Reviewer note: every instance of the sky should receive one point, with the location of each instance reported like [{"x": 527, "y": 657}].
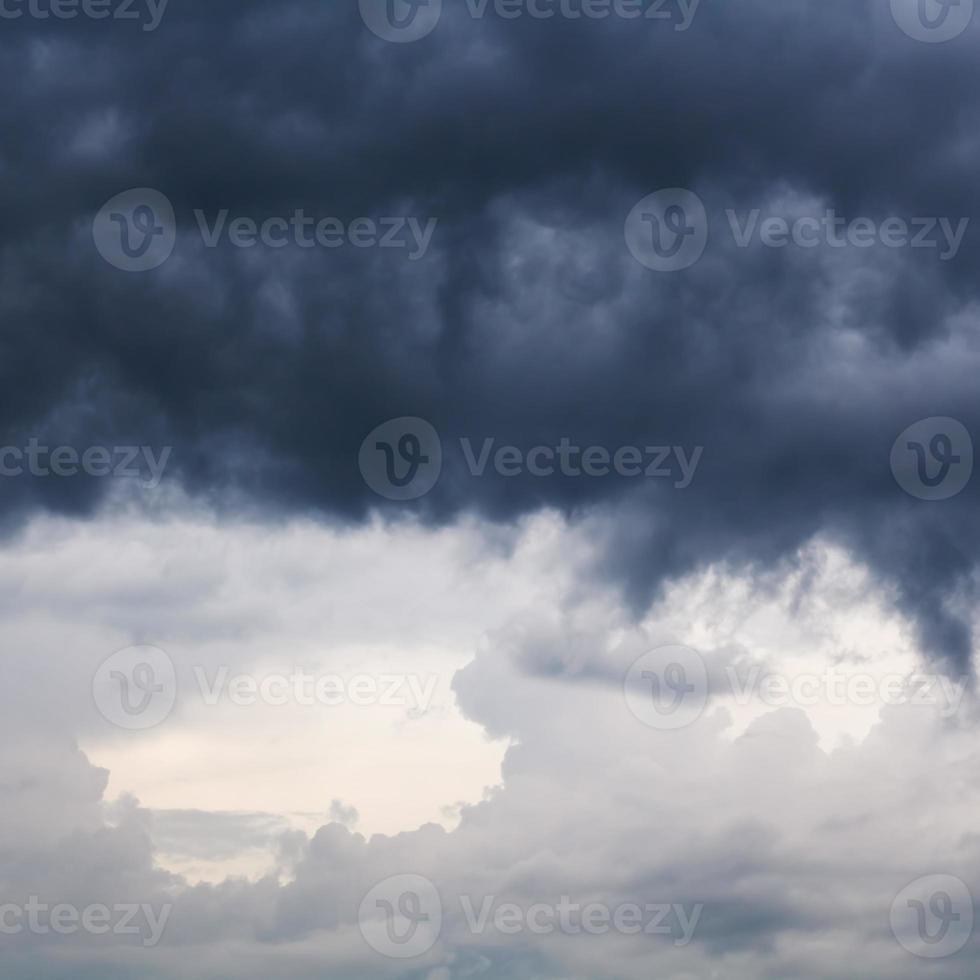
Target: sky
[{"x": 486, "y": 489}]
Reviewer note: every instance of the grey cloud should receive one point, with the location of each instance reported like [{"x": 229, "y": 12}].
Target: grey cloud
[
  {"x": 215, "y": 836},
  {"x": 527, "y": 320}
]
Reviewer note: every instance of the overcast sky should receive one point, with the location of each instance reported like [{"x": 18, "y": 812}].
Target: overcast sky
[{"x": 486, "y": 489}]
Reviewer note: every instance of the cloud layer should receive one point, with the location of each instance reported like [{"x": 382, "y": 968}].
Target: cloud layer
[
  {"x": 527, "y": 320},
  {"x": 776, "y": 376},
  {"x": 780, "y": 836}
]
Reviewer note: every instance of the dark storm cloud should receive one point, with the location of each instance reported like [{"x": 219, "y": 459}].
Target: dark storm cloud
[{"x": 527, "y": 320}]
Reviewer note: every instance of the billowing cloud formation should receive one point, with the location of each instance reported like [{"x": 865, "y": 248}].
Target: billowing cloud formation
[
  {"x": 773, "y": 842},
  {"x": 524, "y": 318},
  {"x": 775, "y": 530}
]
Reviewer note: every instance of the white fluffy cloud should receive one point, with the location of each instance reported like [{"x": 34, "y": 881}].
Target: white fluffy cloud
[{"x": 780, "y": 835}]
